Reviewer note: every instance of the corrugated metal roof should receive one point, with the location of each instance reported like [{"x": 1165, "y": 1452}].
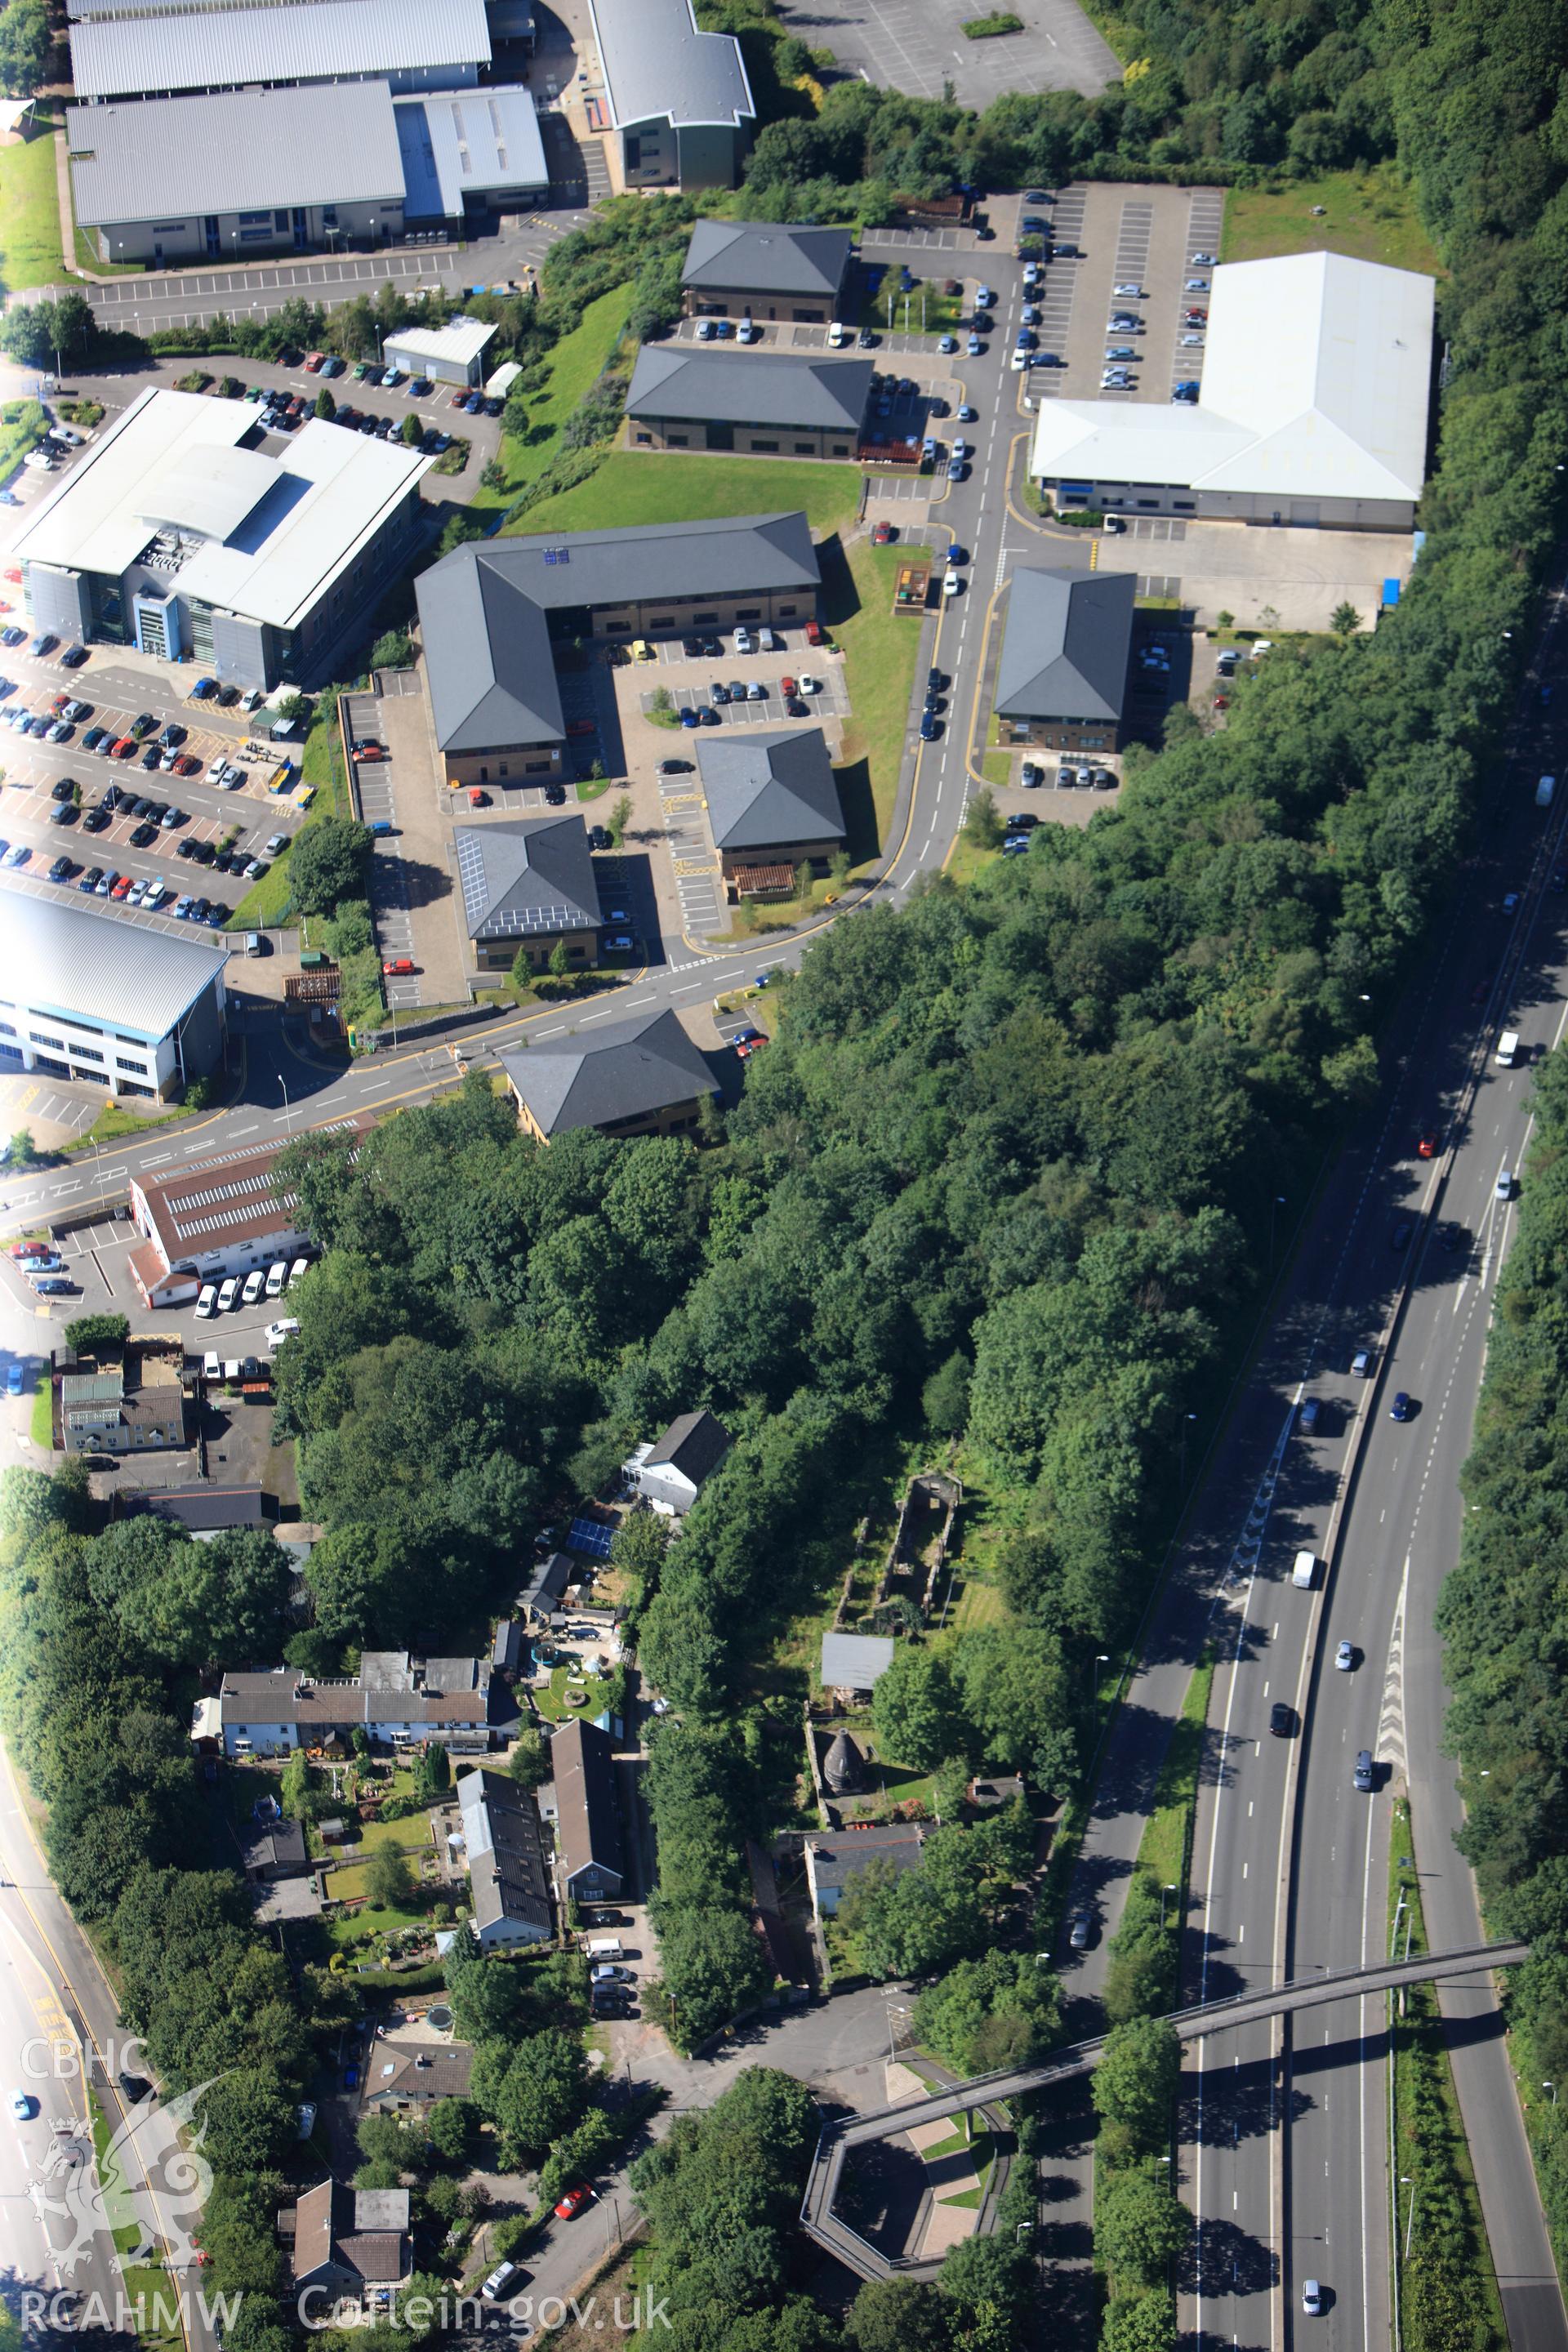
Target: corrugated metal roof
[
  {"x": 119, "y": 55},
  {"x": 331, "y": 491},
  {"x": 234, "y": 151},
  {"x": 750, "y": 388},
  {"x": 469, "y": 142},
  {"x": 97, "y": 967},
  {"x": 657, "y": 63},
  {"x": 1315, "y": 385},
  {"x": 461, "y": 341}
]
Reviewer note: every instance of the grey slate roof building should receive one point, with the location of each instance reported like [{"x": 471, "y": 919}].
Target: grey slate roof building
[
  {"x": 587, "y": 1816},
  {"x": 235, "y": 150},
  {"x": 422, "y": 44},
  {"x": 526, "y": 877},
  {"x": 485, "y": 611},
  {"x": 541, "y": 1596},
  {"x": 507, "y": 1875},
  {"x": 670, "y": 1474},
  {"x": 770, "y": 795},
  {"x": 727, "y": 257},
  {"x": 631, "y": 1076},
  {"x": 1064, "y": 652},
  {"x": 818, "y": 394}
]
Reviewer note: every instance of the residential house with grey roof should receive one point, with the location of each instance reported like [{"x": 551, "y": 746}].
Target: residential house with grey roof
[
  {"x": 408, "y": 2078},
  {"x": 346, "y": 2240},
  {"x": 527, "y": 886},
  {"x": 760, "y": 404},
  {"x": 676, "y": 100},
  {"x": 669, "y": 1473},
  {"x": 396, "y": 1699},
  {"x": 766, "y": 269},
  {"x": 773, "y": 805},
  {"x": 587, "y": 1814},
  {"x": 509, "y": 1877},
  {"x": 492, "y": 613},
  {"x": 1061, "y": 679},
  {"x": 634, "y": 1077}
]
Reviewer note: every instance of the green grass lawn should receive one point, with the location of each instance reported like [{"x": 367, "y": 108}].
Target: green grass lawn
[
  {"x": 551, "y": 1702},
  {"x": 941, "y": 315},
  {"x": 1368, "y": 215},
  {"x": 112, "y": 1122},
  {"x": 879, "y": 647},
  {"x": 41, "y": 1427},
  {"x": 29, "y": 214},
  {"x": 576, "y": 362},
  {"x": 637, "y": 487}
]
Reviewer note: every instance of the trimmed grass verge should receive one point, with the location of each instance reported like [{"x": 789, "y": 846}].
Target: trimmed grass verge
[
  {"x": 41, "y": 1426},
  {"x": 653, "y": 486},
  {"x": 30, "y": 214},
  {"x": 879, "y": 647},
  {"x": 1448, "y": 2285},
  {"x": 1368, "y": 215}
]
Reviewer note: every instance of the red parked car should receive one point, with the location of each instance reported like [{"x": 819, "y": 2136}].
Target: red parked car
[
  {"x": 398, "y": 964},
  {"x": 572, "y": 2204},
  {"x": 814, "y": 633},
  {"x": 1428, "y": 1147}
]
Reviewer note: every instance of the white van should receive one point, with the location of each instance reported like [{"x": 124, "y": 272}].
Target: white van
[
  {"x": 603, "y": 1947},
  {"x": 254, "y": 1283},
  {"x": 1544, "y": 792},
  {"x": 837, "y": 335},
  {"x": 300, "y": 1266},
  {"x": 1508, "y": 1049},
  {"x": 1305, "y": 1569},
  {"x": 277, "y": 1275}
]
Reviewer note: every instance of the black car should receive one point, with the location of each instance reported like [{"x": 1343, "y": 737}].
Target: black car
[
  {"x": 867, "y": 340},
  {"x": 60, "y": 870},
  {"x": 205, "y": 852},
  {"x": 711, "y": 648},
  {"x": 143, "y": 834},
  {"x": 138, "y": 808},
  {"x": 112, "y": 796},
  {"x": 187, "y": 847},
  {"x": 1451, "y": 1237},
  {"x": 149, "y": 757},
  {"x": 63, "y": 791},
  {"x": 556, "y": 795},
  {"x": 1025, "y": 822},
  {"x": 1400, "y": 1237},
  {"x": 936, "y": 681},
  {"x": 141, "y": 725},
  {"x": 1281, "y": 1720},
  {"x": 691, "y": 647},
  {"x": 229, "y": 696},
  {"x": 95, "y": 820},
  {"x": 223, "y": 861},
  {"x": 598, "y": 839},
  {"x": 721, "y": 694},
  {"x": 201, "y": 910}
]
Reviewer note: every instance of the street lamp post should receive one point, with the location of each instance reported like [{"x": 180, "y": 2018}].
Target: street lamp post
[
  {"x": 1275, "y": 1205},
  {"x": 1553, "y": 2088},
  {"x": 1407, "y": 2181},
  {"x": 1102, "y": 1660},
  {"x": 1165, "y": 1890},
  {"x": 1187, "y": 1419}
]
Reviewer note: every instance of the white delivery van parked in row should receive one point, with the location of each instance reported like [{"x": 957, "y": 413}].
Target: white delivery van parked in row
[{"x": 1508, "y": 1049}]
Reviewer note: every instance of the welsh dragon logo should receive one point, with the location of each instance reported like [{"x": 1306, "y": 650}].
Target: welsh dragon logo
[{"x": 149, "y": 2175}]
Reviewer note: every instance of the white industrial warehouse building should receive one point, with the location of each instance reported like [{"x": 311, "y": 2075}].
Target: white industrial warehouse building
[
  {"x": 1313, "y": 410},
  {"x": 171, "y": 535}
]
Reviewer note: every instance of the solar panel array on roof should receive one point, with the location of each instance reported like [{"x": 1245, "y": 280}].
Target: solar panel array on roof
[
  {"x": 517, "y": 917},
  {"x": 589, "y": 1536}
]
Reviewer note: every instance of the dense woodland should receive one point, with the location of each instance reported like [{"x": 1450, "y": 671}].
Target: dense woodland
[
  {"x": 1002, "y": 1178},
  {"x": 1501, "y": 1619}
]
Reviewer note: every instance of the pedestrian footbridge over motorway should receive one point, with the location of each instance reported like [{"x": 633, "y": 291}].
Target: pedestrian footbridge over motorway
[{"x": 822, "y": 2223}]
